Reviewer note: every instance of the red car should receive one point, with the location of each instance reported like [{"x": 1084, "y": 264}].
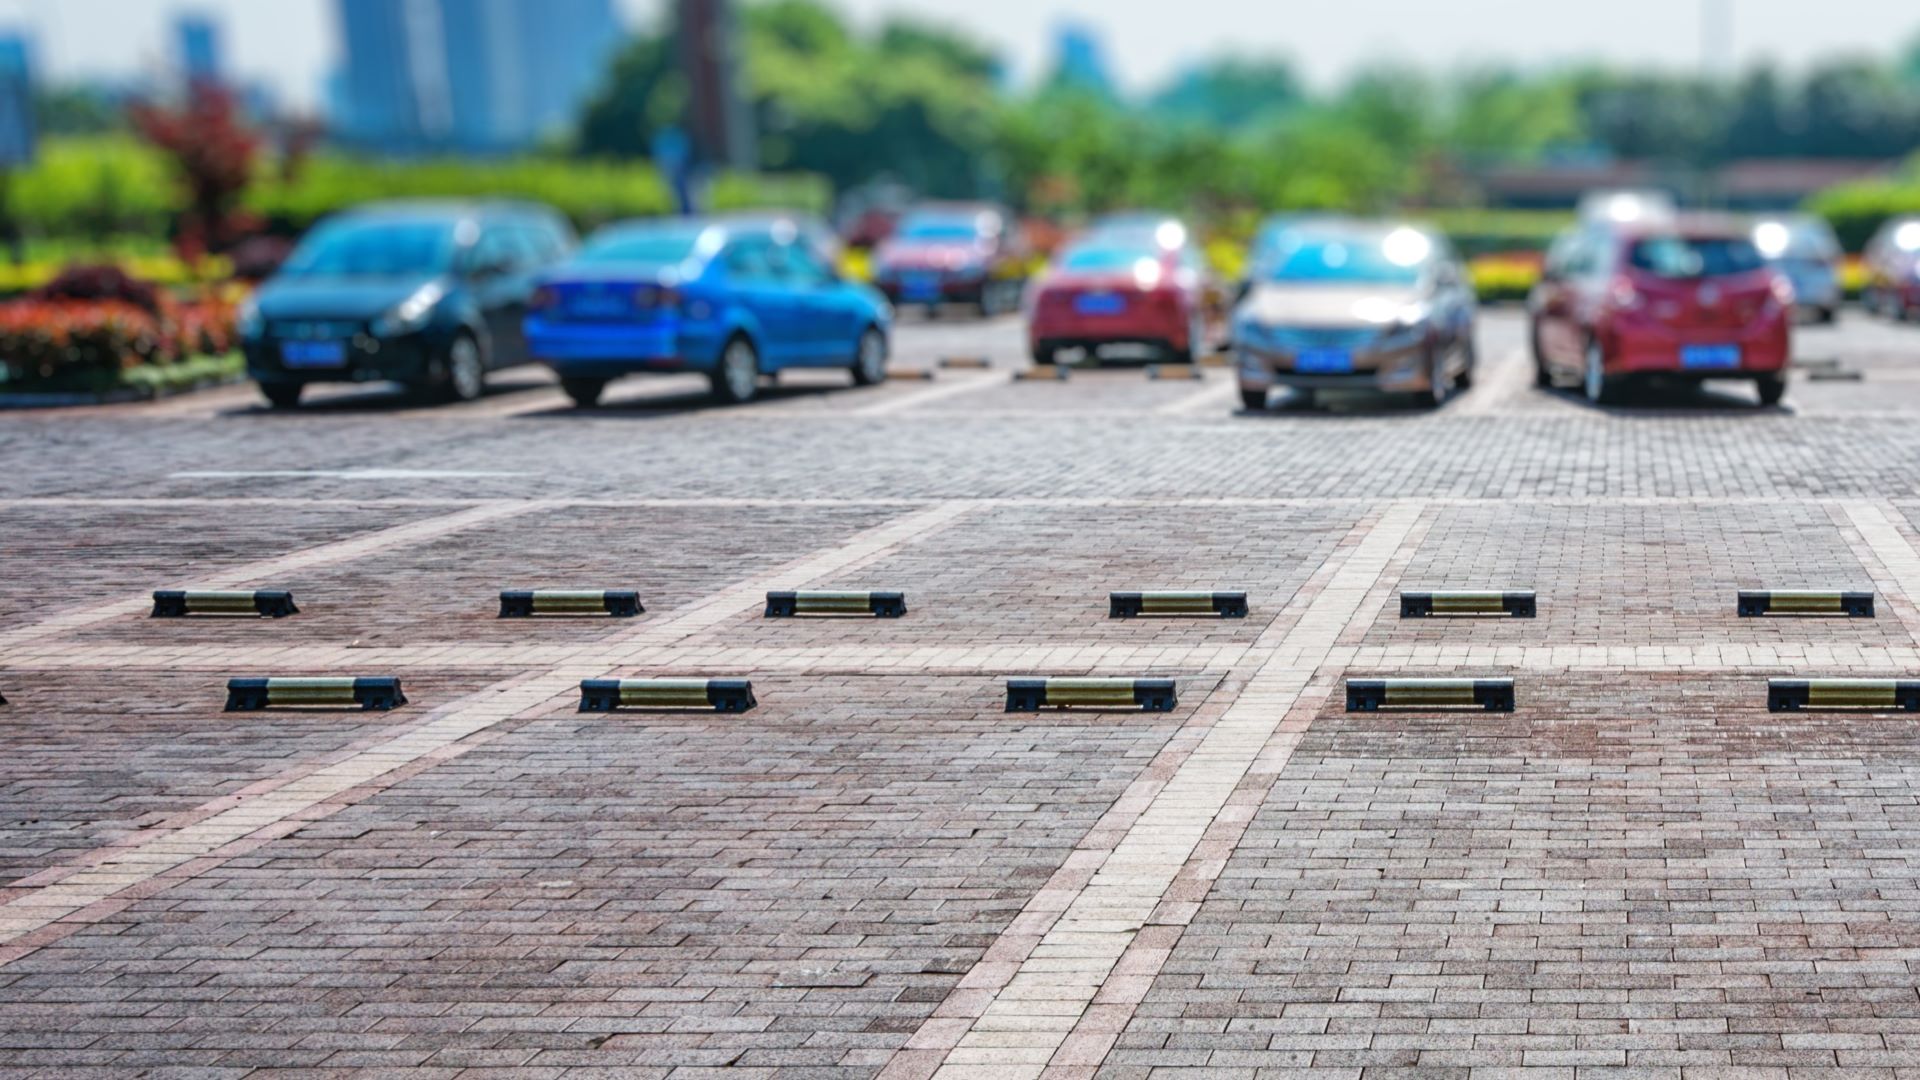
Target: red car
[
  {"x": 965, "y": 253},
  {"x": 1146, "y": 287},
  {"x": 1676, "y": 300}
]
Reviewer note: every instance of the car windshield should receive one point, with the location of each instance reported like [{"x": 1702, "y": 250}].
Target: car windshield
[
  {"x": 350, "y": 249},
  {"x": 940, "y": 229},
  {"x": 1397, "y": 258},
  {"x": 1694, "y": 257},
  {"x": 653, "y": 247},
  {"x": 1096, "y": 259}
]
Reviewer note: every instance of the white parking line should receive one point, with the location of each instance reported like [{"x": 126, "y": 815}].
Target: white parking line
[{"x": 948, "y": 386}]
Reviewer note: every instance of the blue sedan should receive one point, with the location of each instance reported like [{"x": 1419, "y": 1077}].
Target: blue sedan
[{"x": 732, "y": 300}]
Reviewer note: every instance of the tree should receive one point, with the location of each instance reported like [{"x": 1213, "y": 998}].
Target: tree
[
  {"x": 213, "y": 153},
  {"x": 1233, "y": 92}
]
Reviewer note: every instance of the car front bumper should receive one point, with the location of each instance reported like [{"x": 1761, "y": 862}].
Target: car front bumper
[
  {"x": 1399, "y": 369},
  {"x": 407, "y": 358}
]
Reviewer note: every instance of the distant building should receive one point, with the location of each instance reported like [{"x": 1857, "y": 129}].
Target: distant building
[
  {"x": 197, "y": 49},
  {"x": 1081, "y": 60},
  {"x": 478, "y": 76},
  {"x": 17, "y": 136}
]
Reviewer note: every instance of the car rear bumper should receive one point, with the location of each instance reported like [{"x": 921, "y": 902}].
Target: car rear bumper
[
  {"x": 1407, "y": 369},
  {"x": 595, "y": 351},
  {"x": 1658, "y": 351},
  {"x": 1169, "y": 328},
  {"x": 931, "y": 286}
]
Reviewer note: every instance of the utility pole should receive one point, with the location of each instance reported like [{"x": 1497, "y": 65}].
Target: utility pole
[{"x": 719, "y": 120}]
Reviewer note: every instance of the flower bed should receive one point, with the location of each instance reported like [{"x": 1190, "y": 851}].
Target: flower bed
[{"x": 91, "y": 326}]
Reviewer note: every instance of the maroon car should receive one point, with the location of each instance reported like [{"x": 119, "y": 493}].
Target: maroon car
[
  {"x": 1121, "y": 287},
  {"x": 952, "y": 253},
  {"x": 1678, "y": 300}
]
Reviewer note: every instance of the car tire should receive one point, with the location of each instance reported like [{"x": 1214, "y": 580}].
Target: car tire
[
  {"x": 1772, "y": 388},
  {"x": 584, "y": 392},
  {"x": 1045, "y": 353},
  {"x": 1439, "y": 382},
  {"x": 1253, "y": 400},
  {"x": 463, "y": 371},
  {"x": 1599, "y": 389},
  {"x": 870, "y": 358},
  {"x": 1464, "y": 381},
  {"x": 282, "y": 395},
  {"x": 737, "y": 379}
]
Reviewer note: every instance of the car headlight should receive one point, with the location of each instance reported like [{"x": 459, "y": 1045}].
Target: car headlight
[
  {"x": 410, "y": 314},
  {"x": 247, "y": 320}
]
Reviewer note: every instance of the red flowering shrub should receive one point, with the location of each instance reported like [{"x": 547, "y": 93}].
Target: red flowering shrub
[
  {"x": 101, "y": 282},
  {"x": 87, "y": 343}
]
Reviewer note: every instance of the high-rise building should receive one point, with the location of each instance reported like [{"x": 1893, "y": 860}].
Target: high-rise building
[
  {"x": 1081, "y": 62},
  {"x": 473, "y": 75},
  {"x": 197, "y": 49}
]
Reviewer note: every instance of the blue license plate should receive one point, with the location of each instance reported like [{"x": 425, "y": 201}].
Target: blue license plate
[
  {"x": 1710, "y": 357},
  {"x": 921, "y": 287},
  {"x": 313, "y": 354},
  {"x": 1324, "y": 362},
  {"x": 1100, "y": 304},
  {"x": 599, "y": 306}
]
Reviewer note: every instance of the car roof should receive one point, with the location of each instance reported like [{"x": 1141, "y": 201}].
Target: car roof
[{"x": 449, "y": 210}]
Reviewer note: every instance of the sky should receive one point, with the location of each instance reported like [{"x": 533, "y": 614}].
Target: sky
[{"x": 290, "y": 43}]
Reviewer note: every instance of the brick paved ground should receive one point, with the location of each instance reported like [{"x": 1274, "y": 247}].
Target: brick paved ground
[{"x": 878, "y": 873}]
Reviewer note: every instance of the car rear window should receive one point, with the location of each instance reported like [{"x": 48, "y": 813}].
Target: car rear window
[
  {"x": 1105, "y": 258},
  {"x": 652, "y": 247},
  {"x": 1694, "y": 257},
  {"x": 938, "y": 229}
]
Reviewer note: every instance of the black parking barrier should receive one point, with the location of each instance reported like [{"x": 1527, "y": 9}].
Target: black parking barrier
[
  {"x": 909, "y": 374},
  {"x": 375, "y": 694},
  {"x": 965, "y": 363},
  {"x": 526, "y": 603},
  {"x": 880, "y": 605},
  {"x": 263, "y": 603},
  {"x": 1175, "y": 372},
  {"x": 1518, "y": 603},
  {"x": 1148, "y": 695},
  {"x": 1044, "y": 373},
  {"x": 1793, "y": 695},
  {"x": 720, "y": 695},
  {"x": 1368, "y": 695},
  {"x": 1754, "y": 603},
  {"x": 1127, "y": 605}
]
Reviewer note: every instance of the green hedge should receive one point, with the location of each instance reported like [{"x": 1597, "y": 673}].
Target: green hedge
[
  {"x": 1857, "y": 211},
  {"x": 94, "y": 188}
]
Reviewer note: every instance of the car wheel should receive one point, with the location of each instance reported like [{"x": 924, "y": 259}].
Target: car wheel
[
  {"x": 584, "y": 392},
  {"x": 870, "y": 358},
  {"x": 738, "y": 378},
  {"x": 1044, "y": 354},
  {"x": 1439, "y": 382},
  {"x": 1772, "y": 388},
  {"x": 465, "y": 374},
  {"x": 1253, "y": 400},
  {"x": 1599, "y": 388},
  {"x": 1471, "y": 351},
  {"x": 282, "y": 395}
]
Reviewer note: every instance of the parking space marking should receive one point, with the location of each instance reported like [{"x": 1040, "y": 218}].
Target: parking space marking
[
  {"x": 1875, "y": 522},
  {"x": 339, "y": 551},
  {"x": 67, "y": 897},
  {"x": 1008, "y": 1021},
  {"x": 946, "y": 387},
  {"x": 1217, "y": 393}
]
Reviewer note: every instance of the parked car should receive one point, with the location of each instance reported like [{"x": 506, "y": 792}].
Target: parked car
[
  {"x": 1893, "y": 269},
  {"x": 966, "y": 253},
  {"x": 1804, "y": 248},
  {"x": 1131, "y": 285},
  {"x": 1688, "y": 300},
  {"x": 734, "y": 299},
  {"x": 426, "y": 294},
  {"x": 1354, "y": 305}
]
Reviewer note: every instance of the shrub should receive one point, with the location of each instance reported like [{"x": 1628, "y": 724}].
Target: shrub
[
  {"x": 101, "y": 282},
  {"x": 91, "y": 343}
]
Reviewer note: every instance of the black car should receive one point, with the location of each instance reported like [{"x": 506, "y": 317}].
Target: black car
[{"x": 426, "y": 294}]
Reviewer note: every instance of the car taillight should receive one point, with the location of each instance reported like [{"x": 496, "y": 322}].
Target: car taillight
[
  {"x": 1621, "y": 294},
  {"x": 544, "y": 299}
]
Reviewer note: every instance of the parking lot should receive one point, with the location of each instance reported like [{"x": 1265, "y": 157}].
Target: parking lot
[{"x": 878, "y": 872}]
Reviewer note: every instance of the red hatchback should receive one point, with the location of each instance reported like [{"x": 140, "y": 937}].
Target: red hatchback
[
  {"x": 1121, "y": 287},
  {"x": 1686, "y": 301}
]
